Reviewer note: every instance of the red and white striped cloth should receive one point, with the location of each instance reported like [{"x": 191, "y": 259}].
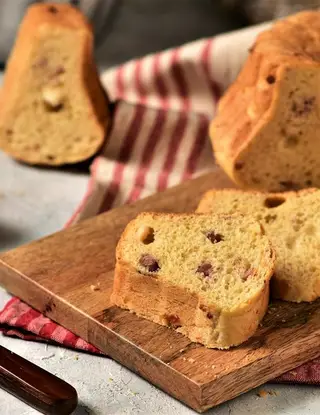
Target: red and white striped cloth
[{"x": 162, "y": 107}]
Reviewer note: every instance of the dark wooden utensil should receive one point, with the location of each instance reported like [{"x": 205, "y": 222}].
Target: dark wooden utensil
[{"x": 35, "y": 386}]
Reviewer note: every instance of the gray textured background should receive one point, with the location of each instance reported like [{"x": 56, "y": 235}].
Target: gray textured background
[{"x": 138, "y": 27}]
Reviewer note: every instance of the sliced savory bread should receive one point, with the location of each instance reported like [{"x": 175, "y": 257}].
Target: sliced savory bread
[
  {"x": 266, "y": 132},
  {"x": 205, "y": 275},
  {"x": 53, "y": 109},
  {"x": 292, "y": 222}
]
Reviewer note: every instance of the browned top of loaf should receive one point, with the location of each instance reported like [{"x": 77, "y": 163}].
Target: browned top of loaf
[
  {"x": 63, "y": 15},
  {"x": 292, "y": 42},
  {"x": 40, "y": 16}
]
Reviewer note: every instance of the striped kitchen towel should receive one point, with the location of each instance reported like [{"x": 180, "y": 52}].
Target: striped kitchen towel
[{"x": 162, "y": 105}]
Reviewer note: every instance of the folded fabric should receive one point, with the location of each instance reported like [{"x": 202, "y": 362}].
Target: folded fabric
[
  {"x": 163, "y": 104},
  {"x": 17, "y": 319}
]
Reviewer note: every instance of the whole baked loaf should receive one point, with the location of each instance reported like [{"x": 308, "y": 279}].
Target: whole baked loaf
[
  {"x": 292, "y": 222},
  {"x": 205, "y": 275},
  {"x": 266, "y": 132},
  {"x": 53, "y": 109}
]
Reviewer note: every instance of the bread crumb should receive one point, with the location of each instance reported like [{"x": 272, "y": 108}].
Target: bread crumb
[
  {"x": 213, "y": 366},
  {"x": 94, "y": 287},
  {"x": 191, "y": 360},
  {"x": 293, "y": 373},
  {"x": 76, "y": 357},
  {"x": 283, "y": 320},
  {"x": 262, "y": 393}
]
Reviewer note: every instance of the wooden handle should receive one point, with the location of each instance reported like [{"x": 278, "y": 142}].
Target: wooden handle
[{"x": 35, "y": 386}]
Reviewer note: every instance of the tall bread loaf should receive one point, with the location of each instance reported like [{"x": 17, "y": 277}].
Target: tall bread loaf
[
  {"x": 266, "y": 132},
  {"x": 53, "y": 109}
]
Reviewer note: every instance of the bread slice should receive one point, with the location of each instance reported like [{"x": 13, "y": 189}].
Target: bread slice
[
  {"x": 266, "y": 132},
  {"x": 53, "y": 109},
  {"x": 206, "y": 276},
  {"x": 292, "y": 223}
]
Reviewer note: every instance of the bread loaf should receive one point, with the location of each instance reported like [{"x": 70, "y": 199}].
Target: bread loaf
[
  {"x": 266, "y": 132},
  {"x": 206, "y": 276},
  {"x": 53, "y": 109},
  {"x": 292, "y": 222}
]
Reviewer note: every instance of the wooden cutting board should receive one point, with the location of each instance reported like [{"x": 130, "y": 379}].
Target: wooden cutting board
[{"x": 54, "y": 276}]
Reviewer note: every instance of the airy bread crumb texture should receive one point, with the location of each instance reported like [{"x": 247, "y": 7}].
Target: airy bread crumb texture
[
  {"x": 224, "y": 259},
  {"x": 53, "y": 108},
  {"x": 292, "y": 222}
]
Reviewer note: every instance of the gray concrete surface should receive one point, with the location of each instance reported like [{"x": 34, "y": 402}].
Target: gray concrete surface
[{"x": 35, "y": 202}]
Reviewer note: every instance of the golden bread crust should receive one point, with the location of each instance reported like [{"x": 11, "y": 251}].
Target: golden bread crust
[
  {"x": 169, "y": 305},
  {"x": 156, "y": 298},
  {"x": 253, "y": 103},
  {"x": 292, "y": 222}
]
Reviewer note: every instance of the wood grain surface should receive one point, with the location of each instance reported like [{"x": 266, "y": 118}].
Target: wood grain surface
[{"x": 54, "y": 275}]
